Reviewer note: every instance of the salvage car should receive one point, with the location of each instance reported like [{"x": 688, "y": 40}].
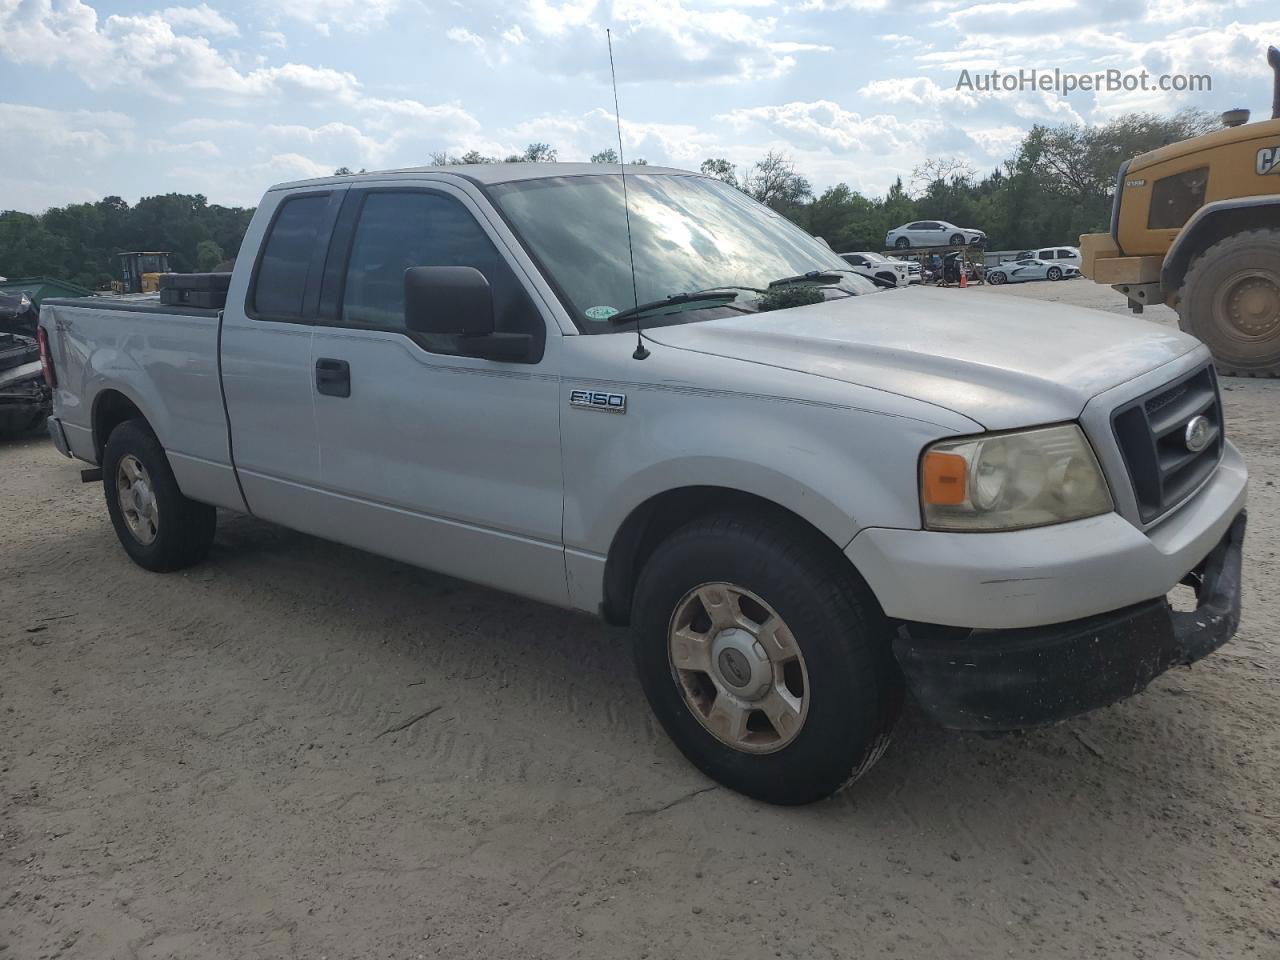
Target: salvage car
[
  {"x": 932, "y": 233},
  {"x": 24, "y": 395},
  {"x": 1020, "y": 271},
  {"x": 871, "y": 265},
  {"x": 804, "y": 500}
]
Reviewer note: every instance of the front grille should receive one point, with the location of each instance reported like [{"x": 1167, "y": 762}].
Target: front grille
[{"x": 1151, "y": 432}]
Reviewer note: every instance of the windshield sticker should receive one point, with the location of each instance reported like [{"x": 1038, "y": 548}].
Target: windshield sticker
[{"x": 600, "y": 313}]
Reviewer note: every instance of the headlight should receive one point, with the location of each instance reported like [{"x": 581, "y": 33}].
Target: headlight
[{"x": 1007, "y": 481}]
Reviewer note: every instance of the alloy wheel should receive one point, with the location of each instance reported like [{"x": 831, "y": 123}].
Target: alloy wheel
[{"x": 739, "y": 668}]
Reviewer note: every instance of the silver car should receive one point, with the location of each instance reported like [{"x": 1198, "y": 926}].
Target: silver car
[
  {"x": 932, "y": 233},
  {"x": 1018, "y": 271}
]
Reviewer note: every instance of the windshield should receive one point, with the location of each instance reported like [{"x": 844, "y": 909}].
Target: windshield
[{"x": 689, "y": 233}]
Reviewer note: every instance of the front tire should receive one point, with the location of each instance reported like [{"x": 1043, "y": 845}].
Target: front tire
[
  {"x": 158, "y": 527},
  {"x": 957, "y": 240},
  {"x": 902, "y": 243},
  {"x": 765, "y": 658},
  {"x": 1230, "y": 299},
  {"x": 995, "y": 278},
  {"x": 1055, "y": 273}
]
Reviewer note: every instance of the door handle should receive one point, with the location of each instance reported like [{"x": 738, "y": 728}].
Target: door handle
[{"x": 333, "y": 377}]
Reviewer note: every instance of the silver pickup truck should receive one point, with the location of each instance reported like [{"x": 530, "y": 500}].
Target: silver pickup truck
[{"x": 805, "y": 494}]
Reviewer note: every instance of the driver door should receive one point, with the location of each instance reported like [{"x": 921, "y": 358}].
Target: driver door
[{"x": 447, "y": 461}]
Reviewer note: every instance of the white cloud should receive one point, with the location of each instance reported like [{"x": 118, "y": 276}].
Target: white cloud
[
  {"x": 323, "y": 16},
  {"x": 202, "y": 20},
  {"x": 55, "y": 154},
  {"x": 557, "y": 19},
  {"x": 917, "y": 92}
]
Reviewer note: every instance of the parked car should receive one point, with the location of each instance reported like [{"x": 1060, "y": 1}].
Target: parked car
[
  {"x": 24, "y": 395},
  {"x": 804, "y": 506},
  {"x": 1059, "y": 255},
  {"x": 932, "y": 233},
  {"x": 869, "y": 264},
  {"x": 1020, "y": 271},
  {"x": 915, "y": 273}
]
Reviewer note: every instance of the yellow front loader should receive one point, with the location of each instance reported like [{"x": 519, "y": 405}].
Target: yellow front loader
[{"x": 1196, "y": 225}]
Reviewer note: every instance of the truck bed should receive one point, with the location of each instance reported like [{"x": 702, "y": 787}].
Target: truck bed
[
  {"x": 132, "y": 303},
  {"x": 110, "y": 352}
]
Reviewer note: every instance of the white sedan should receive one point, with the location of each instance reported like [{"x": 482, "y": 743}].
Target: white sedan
[
  {"x": 1019, "y": 271},
  {"x": 875, "y": 265},
  {"x": 932, "y": 233}
]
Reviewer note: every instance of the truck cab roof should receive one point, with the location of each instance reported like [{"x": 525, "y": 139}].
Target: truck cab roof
[{"x": 486, "y": 174}]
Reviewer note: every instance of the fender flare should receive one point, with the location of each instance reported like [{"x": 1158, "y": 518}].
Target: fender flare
[{"x": 1211, "y": 223}]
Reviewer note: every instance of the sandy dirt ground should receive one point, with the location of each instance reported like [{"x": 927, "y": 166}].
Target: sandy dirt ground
[{"x": 299, "y": 750}]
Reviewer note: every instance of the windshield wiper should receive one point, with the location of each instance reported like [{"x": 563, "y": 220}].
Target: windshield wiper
[
  {"x": 813, "y": 276},
  {"x": 710, "y": 295},
  {"x": 827, "y": 278}
]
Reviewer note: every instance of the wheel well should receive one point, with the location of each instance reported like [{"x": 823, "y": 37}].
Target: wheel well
[
  {"x": 660, "y": 516},
  {"x": 1213, "y": 228},
  {"x": 110, "y": 409}
]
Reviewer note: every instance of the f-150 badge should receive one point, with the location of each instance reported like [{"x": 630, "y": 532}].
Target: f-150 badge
[
  {"x": 1268, "y": 160},
  {"x": 593, "y": 400}
]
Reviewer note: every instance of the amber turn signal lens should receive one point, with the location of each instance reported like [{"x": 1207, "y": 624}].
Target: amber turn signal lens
[{"x": 944, "y": 479}]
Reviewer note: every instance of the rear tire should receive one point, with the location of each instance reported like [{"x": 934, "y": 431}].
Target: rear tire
[
  {"x": 847, "y": 688},
  {"x": 158, "y": 527},
  {"x": 1230, "y": 299}
]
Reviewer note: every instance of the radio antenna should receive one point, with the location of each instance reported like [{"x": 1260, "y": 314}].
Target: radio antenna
[{"x": 640, "y": 352}]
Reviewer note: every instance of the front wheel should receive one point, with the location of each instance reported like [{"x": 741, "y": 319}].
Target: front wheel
[
  {"x": 1054, "y": 273},
  {"x": 957, "y": 240},
  {"x": 157, "y": 526},
  {"x": 902, "y": 243},
  {"x": 996, "y": 278},
  {"x": 765, "y": 659}
]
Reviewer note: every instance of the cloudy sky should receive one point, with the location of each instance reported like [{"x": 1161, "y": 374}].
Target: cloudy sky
[{"x": 225, "y": 97}]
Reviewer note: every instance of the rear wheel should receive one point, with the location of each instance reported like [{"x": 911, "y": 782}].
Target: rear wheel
[
  {"x": 1230, "y": 299},
  {"x": 767, "y": 662},
  {"x": 157, "y": 526}
]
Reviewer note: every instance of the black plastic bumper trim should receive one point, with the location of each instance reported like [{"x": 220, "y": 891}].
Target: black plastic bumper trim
[{"x": 999, "y": 680}]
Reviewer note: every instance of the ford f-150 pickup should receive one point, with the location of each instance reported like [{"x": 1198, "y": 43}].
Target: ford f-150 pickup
[{"x": 805, "y": 496}]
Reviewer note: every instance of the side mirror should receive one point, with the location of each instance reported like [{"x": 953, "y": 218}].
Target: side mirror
[
  {"x": 458, "y": 302},
  {"x": 448, "y": 300}
]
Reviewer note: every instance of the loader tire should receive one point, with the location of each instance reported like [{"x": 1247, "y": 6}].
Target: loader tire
[{"x": 1230, "y": 299}]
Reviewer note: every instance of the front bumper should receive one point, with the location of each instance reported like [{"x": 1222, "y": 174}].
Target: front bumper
[
  {"x": 1046, "y": 575},
  {"x": 994, "y": 680}
]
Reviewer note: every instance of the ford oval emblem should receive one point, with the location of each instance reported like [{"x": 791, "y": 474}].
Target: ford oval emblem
[{"x": 1199, "y": 430}]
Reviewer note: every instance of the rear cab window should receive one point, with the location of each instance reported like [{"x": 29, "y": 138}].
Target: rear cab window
[{"x": 289, "y": 251}]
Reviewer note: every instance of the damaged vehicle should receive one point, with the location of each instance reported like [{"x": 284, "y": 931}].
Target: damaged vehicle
[
  {"x": 672, "y": 407},
  {"x": 25, "y": 396}
]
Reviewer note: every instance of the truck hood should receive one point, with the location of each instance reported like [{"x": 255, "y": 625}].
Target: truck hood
[{"x": 1000, "y": 360}]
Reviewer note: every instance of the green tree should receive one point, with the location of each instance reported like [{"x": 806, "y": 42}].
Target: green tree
[
  {"x": 208, "y": 256},
  {"x": 721, "y": 169}
]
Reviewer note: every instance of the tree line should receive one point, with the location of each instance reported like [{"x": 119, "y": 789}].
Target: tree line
[
  {"x": 79, "y": 242},
  {"x": 1056, "y": 185}
]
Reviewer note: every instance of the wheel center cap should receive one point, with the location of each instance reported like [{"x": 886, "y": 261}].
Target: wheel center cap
[
  {"x": 741, "y": 664},
  {"x": 734, "y": 668}
]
